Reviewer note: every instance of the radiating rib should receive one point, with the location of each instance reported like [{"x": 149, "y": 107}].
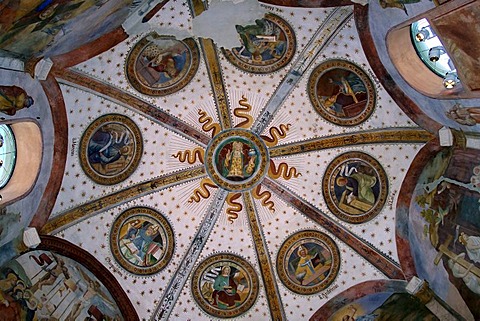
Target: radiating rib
[
  {"x": 84, "y": 211},
  {"x": 273, "y": 295},
  {"x": 389, "y": 135},
  {"x": 216, "y": 79},
  {"x": 368, "y": 251},
  {"x": 77, "y": 79}
]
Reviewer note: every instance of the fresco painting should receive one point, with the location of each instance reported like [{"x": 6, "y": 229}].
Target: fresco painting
[
  {"x": 266, "y": 46},
  {"x": 384, "y": 306},
  {"x": 308, "y": 262},
  {"x": 236, "y": 159},
  {"x": 341, "y": 92},
  {"x": 160, "y": 65},
  {"x": 444, "y": 228},
  {"x": 41, "y": 285},
  {"x": 110, "y": 149},
  {"x": 142, "y": 240},
  {"x": 225, "y": 285},
  {"x": 46, "y": 28},
  {"x": 355, "y": 187}
]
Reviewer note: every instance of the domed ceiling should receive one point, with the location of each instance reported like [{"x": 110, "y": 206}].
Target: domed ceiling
[{"x": 258, "y": 179}]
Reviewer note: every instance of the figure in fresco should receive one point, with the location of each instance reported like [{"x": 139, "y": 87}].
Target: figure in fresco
[
  {"x": 107, "y": 145},
  {"x": 260, "y": 41},
  {"x": 13, "y": 98},
  {"x": 350, "y": 316},
  {"x": 10, "y": 308},
  {"x": 166, "y": 58},
  {"x": 471, "y": 281},
  {"x": 237, "y": 165},
  {"x": 472, "y": 245},
  {"x": 35, "y": 30},
  {"x": 91, "y": 294},
  {"x": 400, "y": 4},
  {"x": 308, "y": 267},
  {"x": 225, "y": 289},
  {"x": 359, "y": 186},
  {"x": 469, "y": 116},
  {"x": 347, "y": 86},
  {"x": 142, "y": 245}
]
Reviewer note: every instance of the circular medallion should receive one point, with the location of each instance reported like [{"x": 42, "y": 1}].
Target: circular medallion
[
  {"x": 110, "y": 149},
  {"x": 341, "y": 92},
  {"x": 142, "y": 240},
  {"x": 225, "y": 285},
  {"x": 161, "y": 65},
  {"x": 355, "y": 187},
  {"x": 266, "y": 46},
  {"x": 236, "y": 159},
  {"x": 308, "y": 262}
]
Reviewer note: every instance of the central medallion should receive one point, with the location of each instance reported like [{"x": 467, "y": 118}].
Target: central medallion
[{"x": 237, "y": 159}]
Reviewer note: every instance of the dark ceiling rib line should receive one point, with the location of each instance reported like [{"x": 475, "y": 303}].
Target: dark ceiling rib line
[
  {"x": 378, "y": 136},
  {"x": 60, "y": 121},
  {"x": 216, "y": 79},
  {"x": 367, "y": 251},
  {"x": 185, "y": 267},
  {"x": 335, "y": 21},
  {"x": 274, "y": 298},
  {"x": 112, "y": 93},
  {"x": 84, "y": 211}
]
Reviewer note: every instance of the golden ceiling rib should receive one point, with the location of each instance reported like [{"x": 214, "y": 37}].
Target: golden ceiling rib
[
  {"x": 213, "y": 69},
  {"x": 77, "y": 79},
  {"x": 388, "y": 267},
  {"x": 80, "y": 213},
  {"x": 216, "y": 79},
  {"x": 273, "y": 296},
  {"x": 377, "y": 136}
]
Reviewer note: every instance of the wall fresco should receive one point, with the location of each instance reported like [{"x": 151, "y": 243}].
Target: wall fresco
[{"x": 42, "y": 285}]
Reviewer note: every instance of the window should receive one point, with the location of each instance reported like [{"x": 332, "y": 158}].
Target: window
[
  {"x": 432, "y": 52},
  {"x": 8, "y": 154}
]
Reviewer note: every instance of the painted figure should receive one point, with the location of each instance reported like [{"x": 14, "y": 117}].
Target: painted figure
[
  {"x": 225, "y": 289},
  {"x": 358, "y": 185},
  {"x": 167, "y": 59},
  {"x": 260, "y": 41},
  {"x": 237, "y": 165},
  {"x": 305, "y": 267},
  {"x": 107, "y": 146},
  {"x": 347, "y": 86},
  {"x": 142, "y": 245},
  {"x": 458, "y": 271},
  {"x": 311, "y": 268},
  {"x": 469, "y": 116},
  {"x": 13, "y": 98},
  {"x": 472, "y": 245}
]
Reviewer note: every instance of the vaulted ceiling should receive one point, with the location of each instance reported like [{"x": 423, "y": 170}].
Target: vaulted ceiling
[{"x": 183, "y": 127}]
